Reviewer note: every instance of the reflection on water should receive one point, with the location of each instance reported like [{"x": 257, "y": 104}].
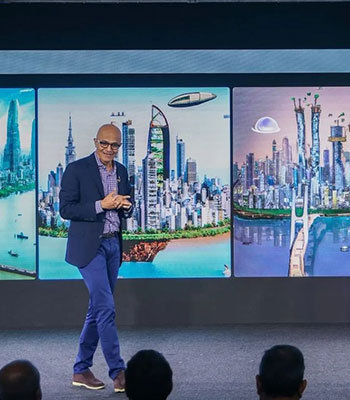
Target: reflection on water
[
  {"x": 17, "y": 214},
  {"x": 261, "y": 247},
  {"x": 262, "y": 231}
]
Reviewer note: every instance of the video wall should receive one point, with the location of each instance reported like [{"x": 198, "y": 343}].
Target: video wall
[
  {"x": 188, "y": 233},
  {"x": 273, "y": 168}
]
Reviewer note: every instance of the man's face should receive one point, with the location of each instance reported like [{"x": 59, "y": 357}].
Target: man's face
[{"x": 107, "y": 143}]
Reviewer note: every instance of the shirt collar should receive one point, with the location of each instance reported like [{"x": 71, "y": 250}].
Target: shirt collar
[{"x": 101, "y": 165}]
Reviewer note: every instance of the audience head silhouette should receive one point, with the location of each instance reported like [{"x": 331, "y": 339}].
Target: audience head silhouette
[
  {"x": 20, "y": 380},
  {"x": 281, "y": 374},
  {"x": 148, "y": 376}
]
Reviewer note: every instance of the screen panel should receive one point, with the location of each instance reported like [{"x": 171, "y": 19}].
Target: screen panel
[
  {"x": 291, "y": 181},
  {"x": 176, "y": 149},
  {"x": 17, "y": 184}
]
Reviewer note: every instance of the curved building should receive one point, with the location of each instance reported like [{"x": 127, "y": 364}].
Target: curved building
[{"x": 159, "y": 144}]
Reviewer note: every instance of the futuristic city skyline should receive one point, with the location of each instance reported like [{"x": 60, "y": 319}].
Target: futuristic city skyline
[
  {"x": 269, "y": 181},
  {"x": 163, "y": 199}
]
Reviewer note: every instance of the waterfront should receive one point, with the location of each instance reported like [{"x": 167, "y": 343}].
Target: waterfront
[
  {"x": 182, "y": 258},
  {"x": 17, "y": 214},
  {"x": 261, "y": 247}
]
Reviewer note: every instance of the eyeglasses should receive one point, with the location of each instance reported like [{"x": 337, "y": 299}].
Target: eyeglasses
[{"x": 104, "y": 144}]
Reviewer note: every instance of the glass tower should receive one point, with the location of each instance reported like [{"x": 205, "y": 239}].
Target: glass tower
[
  {"x": 12, "y": 150},
  {"x": 158, "y": 144},
  {"x": 180, "y": 157}
]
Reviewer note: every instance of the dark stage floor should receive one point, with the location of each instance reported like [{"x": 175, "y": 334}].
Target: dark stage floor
[{"x": 208, "y": 362}]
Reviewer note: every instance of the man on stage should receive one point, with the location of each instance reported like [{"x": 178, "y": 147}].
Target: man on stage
[{"x": 95, "y": 196}]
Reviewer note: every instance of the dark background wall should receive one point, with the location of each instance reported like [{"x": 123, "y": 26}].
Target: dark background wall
[{"x": 178, "y": 26}]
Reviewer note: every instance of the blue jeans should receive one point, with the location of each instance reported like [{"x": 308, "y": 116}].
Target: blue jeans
[{"x": 100, "y": 277}]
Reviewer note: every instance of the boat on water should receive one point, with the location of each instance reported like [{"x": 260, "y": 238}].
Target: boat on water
[
  {"x": 344, "y": 248},
  {"x": 22, "y": 236},
  {"x": 13, "y": 253}
]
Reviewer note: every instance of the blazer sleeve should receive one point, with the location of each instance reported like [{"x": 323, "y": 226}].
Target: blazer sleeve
[
  {"x": 128, "y": 213},
  {"x": 70, "y": 205}
]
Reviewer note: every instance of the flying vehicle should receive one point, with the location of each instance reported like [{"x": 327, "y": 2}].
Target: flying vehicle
[{"x": 191, "y": 99}]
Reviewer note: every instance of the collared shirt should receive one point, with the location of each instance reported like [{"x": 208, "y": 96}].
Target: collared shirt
[{"x": 109, "y": 182}]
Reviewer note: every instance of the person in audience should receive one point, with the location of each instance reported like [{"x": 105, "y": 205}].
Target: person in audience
[
  {"x": 20, "y": 380},
  {"x": 148, "y": 376},
  {"x": 281, "y": 374}
]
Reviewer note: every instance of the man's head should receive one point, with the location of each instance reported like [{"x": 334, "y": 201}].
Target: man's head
[
  {"x": 20, "y": 380},
  {"x": 281, "y": 373},
  {"x": 148, "y": 376},
  {"x": 107, "y": 142}
]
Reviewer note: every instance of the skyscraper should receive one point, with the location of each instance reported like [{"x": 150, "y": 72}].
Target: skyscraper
[
  {"x": 250, "y": 169},
  {"x": 149, "y": 164},
  {"x": 59, "y": 174},
  {"x": 180, "y": 157},
  {"x": 274, "y": 150},
  {"x": 191, "y": 171},
  {"x": 12, "y": 150},
  {"x": 327, "y": 167},
  {"x": 128, "y": 150},
  {"x": 337, "y": 137},
  {"x": 70, "y": 148},
  {"x": 285, "y": 151},
  {"x": 315, "y": 149},
  {"x": 300, "y": 117},
  {"x": 159, "y": 145}
]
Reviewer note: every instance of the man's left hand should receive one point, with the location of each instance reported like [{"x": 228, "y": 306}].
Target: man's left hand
[{"x": 122, "y": 202}]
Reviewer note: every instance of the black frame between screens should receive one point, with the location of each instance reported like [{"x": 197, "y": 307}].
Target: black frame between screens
[{"x": 230, "y": 81}]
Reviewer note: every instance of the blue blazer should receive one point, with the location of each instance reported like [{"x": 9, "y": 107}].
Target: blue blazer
[{"x": 81, "y": 186}]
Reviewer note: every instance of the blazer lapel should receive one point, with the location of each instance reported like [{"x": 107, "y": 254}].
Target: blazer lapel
[
  {"x": 95, "y": 174},
  {"x": 119, "y": 181}
]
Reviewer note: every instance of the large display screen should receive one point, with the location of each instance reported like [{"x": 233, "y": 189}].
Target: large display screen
[
  {"x": 17, "y": 184},
  {"x": 176, "y": 148},
  {"x": 291, "y": 181}
]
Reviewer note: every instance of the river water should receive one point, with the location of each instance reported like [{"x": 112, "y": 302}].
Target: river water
[
  {"x": 261, "y": 247},
  {"x": 17, "y": 214}
]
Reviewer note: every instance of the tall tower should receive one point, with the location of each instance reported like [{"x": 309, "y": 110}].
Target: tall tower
[
  {"x": 191, "y": 171},
  {"x": 149, "y": 164},
  {"x": 159, "y": 145},
  {"x": 32, "y": 144},
  {"x": 59, "y": 174},
  {"x": 315, "y": 129},
  {"x": 337, "y": 137},
  {"x": 70, "y": 148},
  {"x": 12, "y": 150},
  {"x": 128, "y": 139},
  {"x": 250, "y": 169},
  {"x": 180, "y": 157},
  {"x": 326, "y": 168},
  {"x": 300, "y": 117},
  {"x": 285, "y": 151},
  {"x": 274, "y": 150}
]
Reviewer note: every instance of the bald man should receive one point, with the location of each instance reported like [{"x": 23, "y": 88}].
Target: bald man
[
  {"x": 95, "y": 196},
  {"x": 20, "y": 380}
]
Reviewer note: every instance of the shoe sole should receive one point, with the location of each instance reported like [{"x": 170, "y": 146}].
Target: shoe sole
[
  {"x": 119, "y": 390},
  {"x": 87, "y": 386}
]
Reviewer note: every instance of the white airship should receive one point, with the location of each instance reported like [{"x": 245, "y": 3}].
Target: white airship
[{"x": 191, "y": 99}]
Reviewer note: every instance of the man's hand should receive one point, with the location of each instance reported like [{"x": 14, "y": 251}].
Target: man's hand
[
  {"x": 122, "y": 202},
  {"x": 114, "y": 200}
]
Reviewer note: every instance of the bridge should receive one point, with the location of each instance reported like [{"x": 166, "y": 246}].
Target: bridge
[{"x": 299, "y": 242}]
